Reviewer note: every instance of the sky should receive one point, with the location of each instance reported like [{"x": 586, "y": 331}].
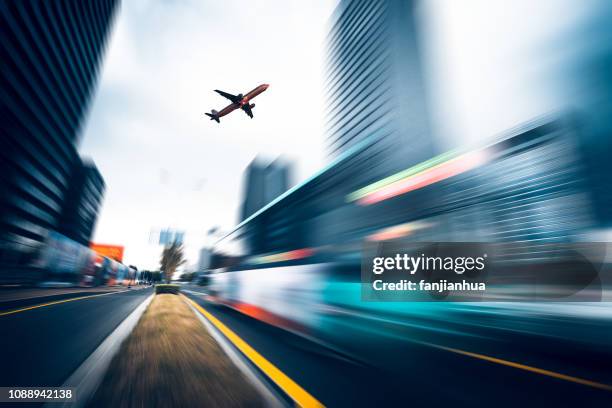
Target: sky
[{"x": 165, "y": 164}]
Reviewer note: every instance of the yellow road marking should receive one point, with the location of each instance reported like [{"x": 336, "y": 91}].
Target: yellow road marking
[
  {"x": 297, "y": 393},
  {"x": 536, "y": 370},
  {"x": 56, "y": 303}
]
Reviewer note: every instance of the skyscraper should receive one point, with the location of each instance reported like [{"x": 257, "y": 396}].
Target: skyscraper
[
  {"x": 375, "y": 84},
  {"x": 83, "y": 200},
  {"x": 276, "y": 180},
  {"x": 50, "y": 53},
  {"x": 262, "y": 184},
  {"x": 254, "y": 190}
]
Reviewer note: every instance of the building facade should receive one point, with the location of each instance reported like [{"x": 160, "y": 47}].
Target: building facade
[
  {"x": 82, "y": 203},
  {"x": 204, "y": 259},
  {"x": 375, "y": 85},
  {"x": 263, "y": 182},
  {"x": 50, "y": 54}
]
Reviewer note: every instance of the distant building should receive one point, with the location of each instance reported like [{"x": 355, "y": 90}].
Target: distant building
[
  {"x": 276, "y": 180},
  {"x": 169, "y": 236},
  {"x": 204, "y": 259},
  {"x": 254, "y": 189},
  {"x": 82, "y": 203},
  {"x": 375, "y": 85},
  {"x": 262, "y": 184},
  {"x": 50, "y": 53}
]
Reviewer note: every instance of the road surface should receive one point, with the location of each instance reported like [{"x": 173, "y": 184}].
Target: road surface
[
  {"x": 42, "y": 346},
  {"x": 367, "y": 362},
  {"x": 485, "y": 369}
]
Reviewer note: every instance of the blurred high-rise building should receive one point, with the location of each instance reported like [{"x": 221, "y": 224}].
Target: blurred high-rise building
[
  {"x": 276, "y": 180},
  {"x": 204, "y": 259},
  {"x": 50, "y": 53},
  {"x": 583, "y": 76},
  {"x": 83, "y": 200},
  {"x": 263, "y": 182},
  {"x": 254, "y": 190},
  {"x": 375, "y": 85}
]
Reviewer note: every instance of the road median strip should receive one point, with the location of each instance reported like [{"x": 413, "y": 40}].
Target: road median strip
[{"x": 169, "y": 359}]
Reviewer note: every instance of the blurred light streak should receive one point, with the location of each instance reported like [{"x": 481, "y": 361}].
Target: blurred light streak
[
  {"x": 362, "y": 192},
  {"x": 283, "y": 256},
  {"x": 398, "y": 231},
  {"x": 264, "y": 315},
  {"x": 427, "y": 176}
]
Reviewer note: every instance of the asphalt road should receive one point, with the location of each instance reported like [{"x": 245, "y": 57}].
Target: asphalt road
[
  {"x": 380, "y": 363},
  {"x": 43, "y": 346},
  {"x": 404, "y": 369},
  {"x": 20, "y": 298}
]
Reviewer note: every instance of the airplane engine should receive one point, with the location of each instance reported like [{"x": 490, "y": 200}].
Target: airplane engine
[{"x": 252, "y": 105}]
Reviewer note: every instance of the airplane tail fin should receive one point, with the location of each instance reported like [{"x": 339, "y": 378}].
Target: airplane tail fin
[{"x": 213, "y": 116}]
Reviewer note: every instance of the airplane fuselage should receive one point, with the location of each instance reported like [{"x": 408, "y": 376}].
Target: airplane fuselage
[{"x": 246, "y": 99}]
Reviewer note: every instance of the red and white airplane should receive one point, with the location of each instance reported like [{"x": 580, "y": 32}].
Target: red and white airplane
[{"x": 238, "y": 102}]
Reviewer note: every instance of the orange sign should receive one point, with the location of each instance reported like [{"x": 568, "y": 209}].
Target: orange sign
[{"x": 111, "y": 251}]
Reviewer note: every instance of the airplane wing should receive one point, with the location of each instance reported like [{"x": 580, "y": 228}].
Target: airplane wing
[
  {"x": 229, "y": 96},
  {"x": 247, "y": 109}
]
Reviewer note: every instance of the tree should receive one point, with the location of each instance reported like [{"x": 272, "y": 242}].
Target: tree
[
  {"x": 172, "y": 257},
  {"x": 150, "y": 276}
]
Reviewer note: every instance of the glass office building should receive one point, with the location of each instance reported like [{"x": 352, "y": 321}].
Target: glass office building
[
  {"x": 83, "y": 200},
  {"x": 50, "y": 53},
  {"x": 374, "y": 84}
]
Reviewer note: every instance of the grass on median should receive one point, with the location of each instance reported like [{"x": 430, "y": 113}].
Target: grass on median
[{"x": 171, "y": 360}]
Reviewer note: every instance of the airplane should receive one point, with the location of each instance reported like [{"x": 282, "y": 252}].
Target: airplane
[{"x": 239, "y": 101}]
